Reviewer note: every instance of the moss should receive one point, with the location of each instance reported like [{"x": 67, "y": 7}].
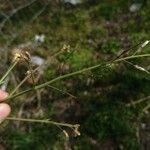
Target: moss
[
  {"x": 112, "y": 46},
  {"x": 22, "y": 140},
  {"x": 49, "y": 74},
  {"x": 108, "y": 10},
  {"x": 80, "y": 59},
  {"x": 83, "y": 142},
  {"x": 105, "y": 124},
  {"x": 97, "y": 32},
  {"x": 138, "y": 37}
]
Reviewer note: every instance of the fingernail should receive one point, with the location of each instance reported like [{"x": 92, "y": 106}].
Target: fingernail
[{"x": 3, "y": 95}]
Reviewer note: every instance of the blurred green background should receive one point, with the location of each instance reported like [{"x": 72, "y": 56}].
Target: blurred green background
[{"x": 96, "y": 31}]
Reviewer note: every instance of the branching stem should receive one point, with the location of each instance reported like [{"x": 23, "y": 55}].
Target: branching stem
[
  {"x": 76, "y": 73},
  {"x": 42, "y": 121}
]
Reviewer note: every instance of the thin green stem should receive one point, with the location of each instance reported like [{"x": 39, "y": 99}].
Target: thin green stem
[
  {"x": 2, "y": 82},
  {"x": 32, "y": 75},
  {"x": 57, "y": 53},
  {"x": 42, "y": 121},
  {"x": 66, "y": 76},
  {"x": 132, "y": 57},
  {"x": 137, "y": 67},
  {"x": 138, "y": 101},
  {"x": 86, "y": 69},
  {"x": 78, "y": 72},
  {"x": 54, "y": 80},
  {"x": 19, "y": 85},
  {"x": 8, "y": 71},
  {"x": 146, "y": 108},
  {"x": 63, "y": 92}
]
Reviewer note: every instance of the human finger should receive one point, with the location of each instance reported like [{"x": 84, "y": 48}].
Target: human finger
[
  {"x": 4, "y": 111},
  {"x": 3, "y": 95}
]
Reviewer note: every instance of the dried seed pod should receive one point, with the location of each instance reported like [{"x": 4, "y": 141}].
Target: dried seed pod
[{"x": 22, "y": 54}]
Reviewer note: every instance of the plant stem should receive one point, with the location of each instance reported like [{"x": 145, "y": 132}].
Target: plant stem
[
  {"x": 18, "y": 86},
  {"x": 139, "y": 101},
  {"x": 31, "y": 72},
  {"x": 42, "y": 121},
  {"x": 63, "y": 92},
  {"x": 146, "y": 108},
  {"x": 132, "y": 57},
  {"x": 8, "y": 71},
  {"x": 78, "y": 72}
]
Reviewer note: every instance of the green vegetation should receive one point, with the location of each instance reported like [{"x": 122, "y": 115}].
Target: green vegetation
[{"x": 96, "y": 34}]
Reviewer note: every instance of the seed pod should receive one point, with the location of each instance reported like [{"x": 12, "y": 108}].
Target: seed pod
[{"x": 22, "y": 54}]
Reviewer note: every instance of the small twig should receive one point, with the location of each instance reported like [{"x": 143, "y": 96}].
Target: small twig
[
  {"x": 43, "y": 121},
  {"x": 8, "y": 71},
  {"x": 137, "y": 67},
  {"x": 126, "y": 51},
  {"x": 2, "y": 82},
  {"x": 4, "y": 85},
  {"x": 64, "y": 92},
  {"x": 19, "y": 85},
  {"x": 38, "y": 95},
  {"x": 141, "y": 47},
  {"x": 132, "y": 57},
  {"x": 138, "y": 101},
  {"x": 32, "y": 74},
  {"x": 146, "y": 108}
]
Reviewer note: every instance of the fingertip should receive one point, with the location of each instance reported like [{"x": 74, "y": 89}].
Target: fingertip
[
  {"x": 3, "y": 95},
  {"x": 4, "y": 110}
]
